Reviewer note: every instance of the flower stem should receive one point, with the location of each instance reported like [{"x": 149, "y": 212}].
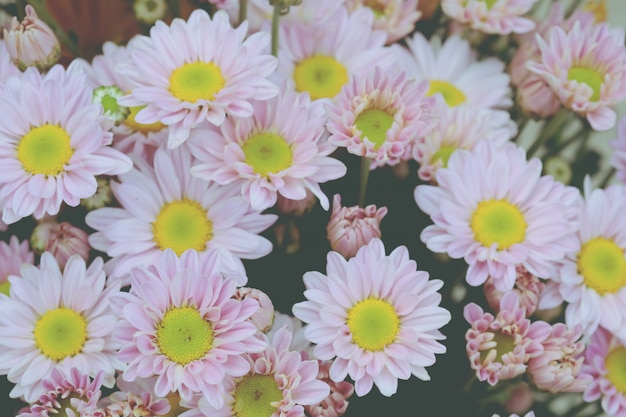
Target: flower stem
[
  {"x": 46, "y": 16},
  {"x": 275, "y": 27},
  {"x": 365, "y": 173},
  {"x": 607, "y": 178},
  {"x": 243, "y": 10},
  {"x": 549, "y": 130}
]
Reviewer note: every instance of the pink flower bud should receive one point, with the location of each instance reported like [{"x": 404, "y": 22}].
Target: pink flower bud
[
  {"x": 61, "y": 239},
  {"x": 296, "y": 207},
  {"x": 520, "y": 399},
  {"x": 263, "y": 318},
  {"x": 32, "y": 42},
  {"x": 336, "y": 403},
  {"x": 350, "y": 228},
  {"x": 527, "y": 286}
]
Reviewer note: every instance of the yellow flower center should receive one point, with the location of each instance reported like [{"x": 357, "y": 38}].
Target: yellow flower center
[
  {"x": 587, "y": 76},
  {"x": 377, "y": 6},
  {"x": 254, "y": 396},
  {"x": 60, "y": 333},
  {"x": 505, "y": 343},
  {"x": 196, "y": 81},
  {"x": 615, "y": 364},
  {"x": 452, "y": 95},
  {"x": 267, "y": 153},
  {"x": 443, "y": 154},
  {"x": 598, "y": 8},
  {"x": 373, "y": 323},
  {"x": 182, "y": 225},
  {"x": 5, "y": 288},
  {"x": 321, "y": 76},
  {"x": 498, "y": 221},
  {"x": 45, "y": 150},
  {"x": 140, "y": 127},
  {"x": 183, "y": 335},
  {"x": 374, "y": 124},
  {"x": 603, "y": 267}
]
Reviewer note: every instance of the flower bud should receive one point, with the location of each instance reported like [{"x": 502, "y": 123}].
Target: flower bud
[
  {"x": 263, "y": 318},
  {"x": 32, "y": 42},
  {"x": 296, "y": 207},
  {"x": 61, "y": 239}
]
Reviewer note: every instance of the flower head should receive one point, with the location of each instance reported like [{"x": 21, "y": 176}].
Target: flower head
[
  {"x": 181, "y": 323},
  {"x": 280, "y": 149},
  {"x": 367, "y": 316},
  {"x": 380, "y": 115},
  {"x": 396, "y": 17},
  {"x": 196, "y": 70},
  {"x": 12, "y": 256},
  {"x": 136, "y": 398},
  {"x": 263, "y": 318},
  {"x": 500, "y": 347},
  {"x": 527, "y": 286},
  {"x": 494, "y": 209},
  {"x": 350, "y": 228},
  {"x": 32, "y": 42},
  {"x": 336, "y": 403},
  {"x": 57, "y": 320},
  {"x": 62, "y": 240},
  {"x": 54, "y": 141},
  {"x": 491, "y": 16}
]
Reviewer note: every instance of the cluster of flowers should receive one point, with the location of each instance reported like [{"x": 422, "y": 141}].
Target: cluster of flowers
[{"x": 177, "y": 143}]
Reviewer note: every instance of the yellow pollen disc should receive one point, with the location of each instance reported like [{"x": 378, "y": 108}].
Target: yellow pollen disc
[
  {"x": 183, "y": 335},
  {"x": 615, "y": 364},
  {"x": 452, "y": 95},
  {"x": 505, "y": 343},
  {"x": 267, "y": 153},
  {"x": 45, "y": 150},
  {"x": 498, "y": 221},
  {"x": 489, "y": 3},
  {"x": 196, "y": 81},
  {"x": 598, "y": 8},
  {"x": 182, "y": 225},
  {"x": 60, "y": 333},
  {"x": 377, "y": 6},
  {"x": 603, "y": 267},
  {"x": 5, "y": 288},
  {"x": 443, "y": 154},
  {"x": 254, "y": 396},
  {"x": 373, "y": 323},
  {"x": 587, "y": 76},
  {"x": 322, "y": 76},
  {"x": 374, "y": 124},
  {"x": 140, "y": 127}
]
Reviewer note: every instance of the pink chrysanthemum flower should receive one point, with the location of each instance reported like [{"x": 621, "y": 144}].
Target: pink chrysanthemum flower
[
  {"x": 279, "y": 384},
  {"x": 500, "y": 347},
  {"x": 74, "y": 395},
  {"x": 585, "y": 67},
  {"x": 12, "y": 256},
  {"x": 491, "y": 16},
  {"x": 605, "y": 356},
  {"x": 180, "y": 323},
  {"x": 62, "y": 240},
  {"x": 459, "y": 128},
  {"x": 367, "y": 315},
  {"x": 592, "y": 276},
  {"x": 380, "y": 115},
  {"x": 55, "y": 320},
  {"x": 336, "y": 403},
  {"x": 320, "y": 59},
  {"x": 164, "y": 207},
  {"x": 396, "y": 17},
  {"x": 53, "y": 143},
  {"x": 280, "y": 149},
  {"x": 527, "y": 286},
  {"x": 454, "y": 73},
  {"x": 494, "y": 209},
  {"x": 618, "y": 157},
  {"x": 183, "y": 81},
  {"x": 136, "y": 398},
  {"x": 558, "y": 368},
  {"x": 350, "y": 228}
]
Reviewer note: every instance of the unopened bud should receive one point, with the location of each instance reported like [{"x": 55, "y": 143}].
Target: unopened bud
[{"x": 107, "y": 96}]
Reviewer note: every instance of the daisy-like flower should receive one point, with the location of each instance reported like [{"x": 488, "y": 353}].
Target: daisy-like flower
[
  {"x": 558, "y": 368},
  {"x": 494, "y": 209},
  {"x": 605, "y": 356},
  {"x": 280, "y": 149},
  {"x": 491, "y": 16},
  {"x": 527, "y": 286},
  {"x": 320, "y": 59},
  {"x": 376, "y": 316},
  {"x": 585, "y": 68},
  {"x": 500, "y": 347},
  {"x": 12, "y": 256},
  {"x": 181, "y": 323},
  {"x": 459, "y": 128},
  {"x": 380, "y": 116},
  {"x": 73, "y": 395},
  {"x": 55, "y": 320},
  {"x": 53, "y": 143},
  {"x": 164, "y": 207},
  {"x": 201, "y": 69},
  {"x": 396, "y": 17},
  {"x": 592, "y": 276},
  {"x": 279, "y": 383},
  {"x": 454, "y": 72},
  {"x": 618, "y": 156}
]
